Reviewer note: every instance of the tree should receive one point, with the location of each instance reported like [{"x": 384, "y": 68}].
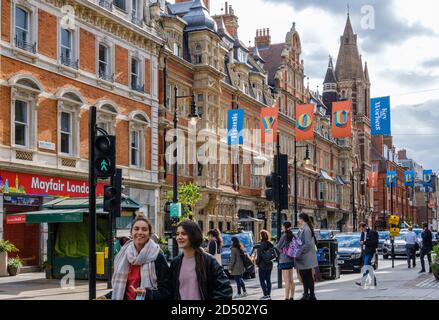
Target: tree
[{"x": 188, "y": 195}]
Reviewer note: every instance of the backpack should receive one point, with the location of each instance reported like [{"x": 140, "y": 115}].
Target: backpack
[
  {"x": 269, "y": 255},
  {"x": 294, "y": 249},
  {"x": 373, "y": 237},
  {"x": 247, "y": 261}
]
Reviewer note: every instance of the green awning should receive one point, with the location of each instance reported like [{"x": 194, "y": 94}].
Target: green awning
[
  {"x": 82, "y": 203},
  {"x": 52, "y": 216}
]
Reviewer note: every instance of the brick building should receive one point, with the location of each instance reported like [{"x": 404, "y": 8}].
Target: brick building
[{"x": 58, "y": 58}]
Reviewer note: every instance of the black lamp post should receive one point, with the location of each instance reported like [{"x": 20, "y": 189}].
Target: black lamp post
[
  {"x": 307, "y": 161},
  {"x": 354, "y": 211},
  {"x": 193, "y": 119}
]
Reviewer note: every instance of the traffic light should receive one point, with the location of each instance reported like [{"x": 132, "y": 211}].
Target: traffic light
[
  {"x": 113, "y": 196},
  {"x": 272, "y": 187},
  {"x": 105, "y": 156}
]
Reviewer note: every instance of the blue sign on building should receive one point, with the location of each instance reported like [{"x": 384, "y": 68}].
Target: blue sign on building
[
  {"x": 380, "y": 116},
  {"x": 235, "y": 124}
]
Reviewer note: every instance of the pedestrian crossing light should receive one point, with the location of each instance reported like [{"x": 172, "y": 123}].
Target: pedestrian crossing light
[{"x": 105, "y": 156}]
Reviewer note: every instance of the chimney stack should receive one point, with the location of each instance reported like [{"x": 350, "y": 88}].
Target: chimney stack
[{"x": 263, "y": 38}]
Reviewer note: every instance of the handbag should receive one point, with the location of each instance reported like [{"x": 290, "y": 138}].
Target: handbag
[
  {"x": 247, "y": 261},
  {"x": 294, "y": 249}
]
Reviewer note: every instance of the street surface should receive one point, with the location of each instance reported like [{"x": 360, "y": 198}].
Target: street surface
[{"x": 399, "y": 283}]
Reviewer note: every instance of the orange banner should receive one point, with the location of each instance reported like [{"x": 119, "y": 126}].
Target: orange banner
[
  {"x": 342, "y": 119},
  {"x": 304, "y": 122},
  {"x": 268, "y": 124},
  {"x": 373, "y": 180}
]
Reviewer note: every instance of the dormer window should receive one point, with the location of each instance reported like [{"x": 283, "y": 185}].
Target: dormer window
[
  {"x": 120, "y": 4},
  {"x": 242, "y": 56}
]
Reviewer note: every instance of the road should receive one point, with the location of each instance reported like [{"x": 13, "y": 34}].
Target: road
[{"x": 393, "y": 284}]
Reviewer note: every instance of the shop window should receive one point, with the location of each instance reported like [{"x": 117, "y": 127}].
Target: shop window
[{"x": 211, "y": 225}]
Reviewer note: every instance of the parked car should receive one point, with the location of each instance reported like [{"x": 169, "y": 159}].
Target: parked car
[
  {"x": 349, "y": 251},
  {"x": 247, "y": 240},
  {"x": 400, "y": 249},
  {"x": 382, "y": 237},
  {"x": 325, "y": 234}
]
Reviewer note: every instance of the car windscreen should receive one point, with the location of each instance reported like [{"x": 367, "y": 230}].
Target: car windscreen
[
  {"x": 384, "y": 235},
  {"x": 244, "y": 238},
  {"x": 348, "y": 242}
]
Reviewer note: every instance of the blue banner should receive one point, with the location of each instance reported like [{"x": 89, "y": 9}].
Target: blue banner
[
  {"x": 427, "y": 178},
  {"x": 409, "y": 179},
  {"x": 391, "y": 178},
  {"x": 380, "y": 116},
  {"x": 235, "y": 124}
]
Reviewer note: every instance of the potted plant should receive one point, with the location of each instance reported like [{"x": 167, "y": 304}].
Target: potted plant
[
  {"x": 14, "y": 266},
  {"x": 435, "y": 265},
  {"x": 5, "y": 248}
]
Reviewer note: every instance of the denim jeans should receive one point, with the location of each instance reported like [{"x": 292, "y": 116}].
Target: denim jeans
[
  {"x": 367, "y": 267},
  {"x": 240, "y": 283},
  {"x": 265, "y": 280}
]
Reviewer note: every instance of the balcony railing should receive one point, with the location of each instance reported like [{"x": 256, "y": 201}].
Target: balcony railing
[
  {"x": 135, "y": 19},
  {"x": 69, "y": 62},
  {"x": 138, "y": 87},
  {"x": 104, "y": 75},
  {"x": 107, "y": 4},
  {"x": 24, "y": 45}
]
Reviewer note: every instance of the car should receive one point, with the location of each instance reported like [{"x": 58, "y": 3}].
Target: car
[
  {"x": 418, "y": 232},
  {"x": 399, "y": 247},
  {"x": 349, "y": 251},
  {"x": 325, "y": 234},
  {"x": 435, "y": 238},
  {"x": 382, "y": 237},
  {"x": 247, "y": 240}
]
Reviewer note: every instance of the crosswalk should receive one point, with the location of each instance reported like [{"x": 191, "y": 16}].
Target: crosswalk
[{"x": 430, "y": 283}]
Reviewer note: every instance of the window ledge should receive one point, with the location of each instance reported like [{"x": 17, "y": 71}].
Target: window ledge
[
  {"x": 68, "y": 70},
  {"x": 105, "y": 84},
  {"x": 137, "y": 94},
  {"x": 25, "y": 55}
]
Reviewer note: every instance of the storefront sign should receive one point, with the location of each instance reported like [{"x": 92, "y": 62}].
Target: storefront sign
[
  {"x": 46, "y": 145},
  {"x": 38, "y": 185},
  {"x": 16, "y": 219}
]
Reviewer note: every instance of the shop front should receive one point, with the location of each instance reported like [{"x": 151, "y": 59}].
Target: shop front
[{"x": 26, "y": 192}]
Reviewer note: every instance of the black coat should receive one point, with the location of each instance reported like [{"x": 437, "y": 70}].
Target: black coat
[
  {"x": 261, "y": 263},
  {"x": 371, "y": 240},
  {"x": 427, "y": 240},
  {"x": 217, "y": 286},
  {"x": 163, "y": 273}
]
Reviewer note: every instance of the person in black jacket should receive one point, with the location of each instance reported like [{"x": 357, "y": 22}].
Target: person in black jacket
[
  {"x": 369, "y": 243},
  {"x": 195, "y": 274},
  {"x": 427, "y": 246},
  {"x": 265, "y": 266},
  {"x": 141, "y": 271}
]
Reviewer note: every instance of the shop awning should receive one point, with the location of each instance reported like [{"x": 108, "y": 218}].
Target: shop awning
[
  {"x": 47, "y": 216},
  {"x": 339, "y": 181},
  {"x": 325, "y": 176},
  {"x": 250, "y": 219}
]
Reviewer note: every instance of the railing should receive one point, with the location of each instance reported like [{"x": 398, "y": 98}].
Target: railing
[
  {"x": 107, "y": 4},
  {"x": 106, "y": 76},
  {"x": 24, "y": 45},
  {"x": 136, "y": 20},
  {"x": 69, "y": 62},
  {"x": 137, "y": 87}
]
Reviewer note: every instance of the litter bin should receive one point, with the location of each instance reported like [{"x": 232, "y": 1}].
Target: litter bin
[{"x": 327, "y": 257}]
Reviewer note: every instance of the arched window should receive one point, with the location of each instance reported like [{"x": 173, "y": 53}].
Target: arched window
[
  {"x": 139, "y": 122},
  {"x": 106, "y": 116}
]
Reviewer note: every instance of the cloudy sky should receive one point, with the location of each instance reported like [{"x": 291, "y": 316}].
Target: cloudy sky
[{"x": 402, "y": 51}]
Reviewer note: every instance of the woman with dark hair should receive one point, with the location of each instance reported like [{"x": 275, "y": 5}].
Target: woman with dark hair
[
  {"x": 140, "y": 268},
  {"x": 264, "y": 267},
  {"x": 196, "y": 275},
  {"x": 307, "y": 261},
  {"x": 215, "y": 244},
  {"x": 237, "y": 268},
  {"x": 286, "y": 263}
]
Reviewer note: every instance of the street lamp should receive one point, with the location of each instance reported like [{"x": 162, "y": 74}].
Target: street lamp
[
  {"x": 307, "y": 162},
  {"x": 354, "y": 212}
]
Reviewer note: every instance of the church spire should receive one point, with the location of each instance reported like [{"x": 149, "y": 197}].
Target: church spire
[{"x": 330, "y": 76}]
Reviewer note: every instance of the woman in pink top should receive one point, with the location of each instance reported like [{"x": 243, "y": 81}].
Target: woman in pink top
[{"x": 195, "y": 274}]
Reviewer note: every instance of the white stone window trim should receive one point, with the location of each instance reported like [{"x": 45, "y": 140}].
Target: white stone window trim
[
  {"x": 106, "y": 115},
  {"x": 32, "y": 10},
  {"x": 30, "y": 96},
  {"x": 141, "y": 61},
  {"x": 111, "y": 63},
  {"x": 74, "y": 108},
  {"x": 140, "y": 126},
  {"x": 75, "y": 44}
]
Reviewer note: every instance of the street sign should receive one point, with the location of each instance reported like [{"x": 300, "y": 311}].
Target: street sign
[
  {"x": 394, "y": 220},
  {"x": 175, "y": 210},
  {"x": 394, "y": 232}
]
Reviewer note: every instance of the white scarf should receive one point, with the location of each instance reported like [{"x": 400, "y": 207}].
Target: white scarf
[{"x": 127, "y": 256}]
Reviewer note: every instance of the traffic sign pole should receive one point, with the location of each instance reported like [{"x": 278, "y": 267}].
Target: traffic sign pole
[{"x": 92, "y": 207}]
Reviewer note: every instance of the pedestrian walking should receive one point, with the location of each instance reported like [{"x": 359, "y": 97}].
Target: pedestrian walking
[
  {"x": 195, "y": 274},
  {"x": 307, "y": 261},
  {"x": 286, "y": 263},
  {"x": 427, "y": 246},
  {"x": 411, "y": 241},
  {"x": 369, "y": 243},
  {"x": 265, "y": 255},
  {"x": 215, "y": 244},
  {"x": 140, "y": 268},
  {"x": 237, "y": 268}
]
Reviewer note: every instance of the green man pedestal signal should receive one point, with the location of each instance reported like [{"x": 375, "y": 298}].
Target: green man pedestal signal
[{"x": 105, "y": 156}]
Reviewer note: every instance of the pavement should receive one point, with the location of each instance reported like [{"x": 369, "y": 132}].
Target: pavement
[{"x": 399, "y": 283}]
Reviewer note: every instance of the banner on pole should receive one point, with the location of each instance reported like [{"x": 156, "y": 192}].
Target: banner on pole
[
  {"x": 409, "y": 178},
  {"x": 373, "y": 180},
  {"x": 235, "y": 123},
  {"x": 391, "y": 178},
  {"x": 268, "y": 124},
  {"x": 342, "y": 119},
  {"x": 427, "y": 180},
  {"x": 380, "y": 116},
  {"x": 304, "y": 122}
]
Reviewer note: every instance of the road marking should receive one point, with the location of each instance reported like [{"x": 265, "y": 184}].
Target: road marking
[{"x": 428, "y": 284}]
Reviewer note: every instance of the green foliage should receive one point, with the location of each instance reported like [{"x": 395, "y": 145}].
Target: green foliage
[
  {"x": 188, "y": 195},
  {"x": 15, "y": 262},
  {"x": 6, "y": 246},
  {"x": 436, "y": 252}
]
